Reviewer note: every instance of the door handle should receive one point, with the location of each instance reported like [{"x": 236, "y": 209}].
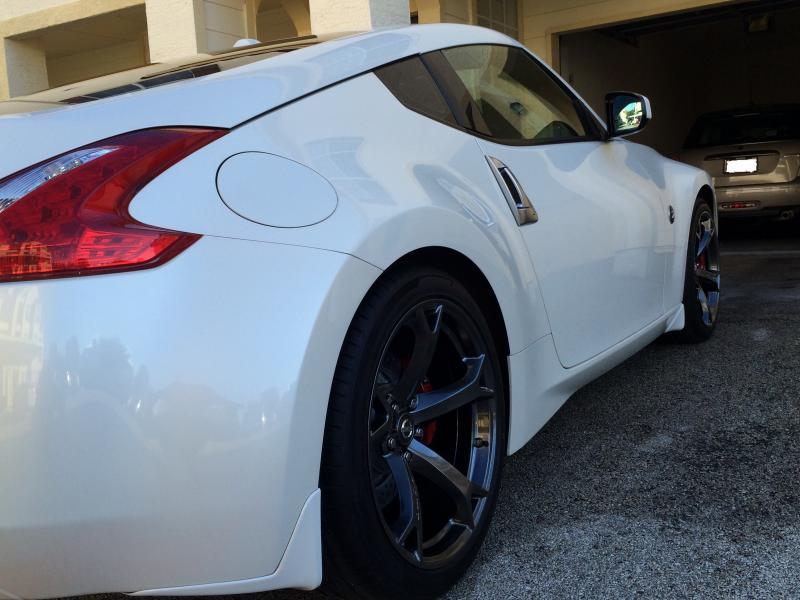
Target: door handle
[{"x": 517, "y": 199}]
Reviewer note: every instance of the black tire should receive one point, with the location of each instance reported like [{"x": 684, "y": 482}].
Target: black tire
[
  {"x": 701, "y": 292},
  {"x": 363, "y": 557}
]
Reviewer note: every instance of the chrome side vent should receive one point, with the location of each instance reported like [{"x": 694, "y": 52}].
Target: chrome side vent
[{"x": 517, "y": 199}]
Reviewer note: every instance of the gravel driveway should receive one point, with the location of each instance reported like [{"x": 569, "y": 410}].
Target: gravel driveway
[{"x": 676, "y": 474}]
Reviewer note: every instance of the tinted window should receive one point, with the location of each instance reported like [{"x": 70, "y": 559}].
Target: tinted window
[
  {"x": 719, "y": 130},
  {"x": 515, "y": 98},
  {"x": 412, "y": 84}
]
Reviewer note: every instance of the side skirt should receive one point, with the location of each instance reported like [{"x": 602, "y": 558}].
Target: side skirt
[{"x": 540, "y": 384}]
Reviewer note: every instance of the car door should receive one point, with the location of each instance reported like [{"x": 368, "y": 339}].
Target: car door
[{"x": 595, "y": 224}]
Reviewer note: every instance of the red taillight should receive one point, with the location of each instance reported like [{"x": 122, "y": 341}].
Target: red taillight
[{"x": 69, "y": 215}]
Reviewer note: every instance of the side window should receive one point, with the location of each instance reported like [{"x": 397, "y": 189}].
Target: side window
[
  {"x": 412, "y": 84},
  {"x": 517, "y": 100}
]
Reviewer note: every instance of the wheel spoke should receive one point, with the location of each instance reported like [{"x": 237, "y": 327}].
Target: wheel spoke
[
  {"x": 447, "y": 478},
  {"x": 704, "y": 236},
  {"x": 431, "y": 405},
  {"x": 409, "y": 518},
  {"x": 703, "y": 299},
  {"x": 710, "y": 278},
  {"x": 713, "y": 304},
  {"x": 425, "y": 338}
]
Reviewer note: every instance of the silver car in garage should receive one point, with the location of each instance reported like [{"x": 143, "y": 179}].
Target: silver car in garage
[{"x": 753, "y": 154}]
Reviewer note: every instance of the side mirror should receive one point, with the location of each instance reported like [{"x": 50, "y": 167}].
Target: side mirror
[{"x": 626, "y": 113}]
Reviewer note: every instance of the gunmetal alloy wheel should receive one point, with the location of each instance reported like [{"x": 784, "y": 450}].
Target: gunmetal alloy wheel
[
  {"x": 701, "y": 292},
  {"x": 415, "y": 439},
  {"x": 706, "y": 265},
  {"x": 432, "y": 433}
]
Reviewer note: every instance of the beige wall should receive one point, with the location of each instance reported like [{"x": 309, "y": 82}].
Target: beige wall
[
  {"x": 57, "y": 41},
  {"x": 86, "y": 65},
  {"x": 332, "y": 16},
  {"x": 279, "y": 19},
  {"x": 14, "y": 8},
  {"x": 225, "y": 23},
  {"x": 174, "y": 28},
  {"x": 27, "y": 59},
  {"x": 456, "y": 11}
]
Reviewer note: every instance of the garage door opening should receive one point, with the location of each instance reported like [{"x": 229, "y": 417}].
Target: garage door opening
[{"x": 690, "y": 64}]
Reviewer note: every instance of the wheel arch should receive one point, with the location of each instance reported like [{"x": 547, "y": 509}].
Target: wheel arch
[
  {"x": 688, "y": 184},
  {"x": 707, "y": 193},
  {"x": 470, "y": 276}
]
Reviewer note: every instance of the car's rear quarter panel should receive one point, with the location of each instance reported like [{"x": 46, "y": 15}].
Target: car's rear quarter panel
[
  {"x": 403, "y": 181},
  {"x": 162, "y": 428}
]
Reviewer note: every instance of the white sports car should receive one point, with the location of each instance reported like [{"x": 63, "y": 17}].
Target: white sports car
[{"x": 277, "y": 316}]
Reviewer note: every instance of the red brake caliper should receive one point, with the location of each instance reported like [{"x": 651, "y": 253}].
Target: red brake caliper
[{"x": 429, "y": 429}]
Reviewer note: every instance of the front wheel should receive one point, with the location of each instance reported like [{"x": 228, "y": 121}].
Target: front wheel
[
  {"x": 701, "y": 294},
  {"x": 414, "y": 441}
]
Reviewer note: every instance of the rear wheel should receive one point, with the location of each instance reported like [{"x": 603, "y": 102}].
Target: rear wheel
[
  {"x": 414, "y": 441},
  {"x": 701, "y": 295}
]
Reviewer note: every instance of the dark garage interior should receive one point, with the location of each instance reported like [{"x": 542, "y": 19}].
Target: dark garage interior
[{"x": 690, "y": 63}]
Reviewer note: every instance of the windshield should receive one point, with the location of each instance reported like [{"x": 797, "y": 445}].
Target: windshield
[{"x": 744, "y": 128}]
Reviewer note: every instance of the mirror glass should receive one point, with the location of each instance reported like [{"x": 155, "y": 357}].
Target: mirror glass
[{"x": 628, "y": 114}]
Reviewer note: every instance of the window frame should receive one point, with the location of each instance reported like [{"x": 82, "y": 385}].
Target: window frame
[{"x": 452, "y": 89}]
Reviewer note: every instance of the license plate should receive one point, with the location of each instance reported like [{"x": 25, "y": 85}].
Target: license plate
[{"x": 741, "y": 165}]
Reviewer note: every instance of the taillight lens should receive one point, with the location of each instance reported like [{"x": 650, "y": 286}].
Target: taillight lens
[{"x": 69, "y": 215}]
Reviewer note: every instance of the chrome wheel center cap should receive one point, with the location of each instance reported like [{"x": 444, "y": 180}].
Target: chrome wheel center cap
[{"x": 406, "y": 429}]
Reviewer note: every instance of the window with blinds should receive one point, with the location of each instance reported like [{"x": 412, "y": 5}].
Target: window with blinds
[{"x": 500, "y": 15}]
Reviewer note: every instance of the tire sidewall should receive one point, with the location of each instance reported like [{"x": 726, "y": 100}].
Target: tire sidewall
[{"x": 369, "y": 547}]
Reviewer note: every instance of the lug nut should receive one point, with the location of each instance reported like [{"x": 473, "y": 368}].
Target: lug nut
[
  {"x": 391, "y": 443},
  {"x": 407, "y": 455},
  {"x": 480, "y": 442},
  {"x": 419, "y": 432}
]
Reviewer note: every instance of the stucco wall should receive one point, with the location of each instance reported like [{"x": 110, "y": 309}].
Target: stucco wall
[
  {"x": 225, "y": 22},
  {"x": 331, "y": 16},
  {"x": 26, "y": 59},
  {"x": 14, "y": 8},
  {"x": 456, "y": 11},
  {"x": 86, "y": 65}
]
